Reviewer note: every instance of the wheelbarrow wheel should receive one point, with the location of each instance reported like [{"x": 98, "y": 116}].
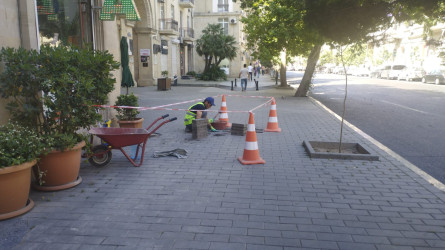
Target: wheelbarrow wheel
[{"x": 101, "y": 156}]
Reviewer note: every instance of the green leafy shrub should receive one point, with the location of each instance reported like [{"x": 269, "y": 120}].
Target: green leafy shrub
[
  {"x": 19, "y": 144},
  {"x": 127, "y": 114},
  {"x": 215, "y": 73},
  {"x": 191, "y": 73},
  {"x": 52, "y": 91}
]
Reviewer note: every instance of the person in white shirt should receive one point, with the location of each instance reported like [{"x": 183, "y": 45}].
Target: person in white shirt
[
  {"x": 243, "y": 75},
  {"x": 249, "y": 68}
]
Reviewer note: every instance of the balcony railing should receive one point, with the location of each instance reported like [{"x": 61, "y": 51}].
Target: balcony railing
[
  {"x": 187, "y": 3},
  {"x": 168, "y": 25},
  {"x": 187, "y": 33},
  {"x": 223, "y": 7}
]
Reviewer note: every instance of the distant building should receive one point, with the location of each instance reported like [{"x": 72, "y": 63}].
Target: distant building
[
  {"x": 406, "y": 43},
  {"x": 227, "y": 13}
]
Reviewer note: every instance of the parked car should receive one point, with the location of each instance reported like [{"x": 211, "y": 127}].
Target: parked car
[
  {"x": 361, "y": 72},
  {"x": 385, "y": 71},
  {"x": 434, "y": 76},
  {"x": 375, "y": 73},
  {"x": 339, "y": 70},
  {"x": 392, "y": 72},
  {"x": 411, "y": 74}
]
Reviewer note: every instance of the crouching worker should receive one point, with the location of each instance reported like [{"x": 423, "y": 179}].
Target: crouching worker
[{"x": 198, "y": 112}]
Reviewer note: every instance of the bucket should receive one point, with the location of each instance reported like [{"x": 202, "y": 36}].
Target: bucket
[{"x": 219, "y": 125}]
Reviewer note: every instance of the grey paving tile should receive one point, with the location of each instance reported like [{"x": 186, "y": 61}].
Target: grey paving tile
[
  {"x": 319, "y": 244},
  {"x": 212, "y": 237},
  {"x": 334, "y": 237},
  {"x": 371, "y": 239},
  {"x": 225, "y": 246},
  {"x": 355, "y": 246},
  {"x": 198, "y": 229},
  {"x": 191, "y": 244},
  {"x": 408, "y": 242},
  {"x": 262, "y": 247},
  {"x": 247, "y": 239},
  {"x": 286, "y": 242},
  {"x": 121, "y": 241},
  {"x": 96, "y": 247}
]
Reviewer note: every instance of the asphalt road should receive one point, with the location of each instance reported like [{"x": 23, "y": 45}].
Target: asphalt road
[{"x": 407, "y": 117}]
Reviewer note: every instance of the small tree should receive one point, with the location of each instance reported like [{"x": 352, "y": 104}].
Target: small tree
[
  {"x": 348, "y": 55},
  {"x": 215, "y": 46}
]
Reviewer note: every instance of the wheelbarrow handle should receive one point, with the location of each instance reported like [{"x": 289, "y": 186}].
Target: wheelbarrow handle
[
  {"x": 174, "y": 118},
  {"x": 155, "y": 121}
]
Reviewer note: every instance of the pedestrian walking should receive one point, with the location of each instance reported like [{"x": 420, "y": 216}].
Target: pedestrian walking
[
  {"x": 258, "y": 70},
  {"x": 243, "y": 75},
  {"x": 250, "y": 68}
]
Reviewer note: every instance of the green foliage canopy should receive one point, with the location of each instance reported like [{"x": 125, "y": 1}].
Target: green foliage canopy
[{"x": 215, "y": 46}]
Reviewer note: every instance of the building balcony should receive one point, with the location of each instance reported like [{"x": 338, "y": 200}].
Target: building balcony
[
  {"x": 187, "y": 34},
  {"x": 168, "y": 27},
  {"x": 187, "y": 3}
]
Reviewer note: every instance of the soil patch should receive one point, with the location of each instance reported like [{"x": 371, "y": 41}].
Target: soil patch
[{"x": 330, "y": 150}]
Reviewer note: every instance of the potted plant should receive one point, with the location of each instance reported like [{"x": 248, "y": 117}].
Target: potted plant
[
  {"x": 19, "y": 151},
  {"x": 127, "y": 117},
  {"x": 164, "y": 83},
  {"x": 52, "y": 92}
]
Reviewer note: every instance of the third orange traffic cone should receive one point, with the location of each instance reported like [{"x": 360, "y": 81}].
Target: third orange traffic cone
[
  {"x": 251, "y": 153},
  {"x": 272, "y": 125},
  {"x": 223, "y": 116}
]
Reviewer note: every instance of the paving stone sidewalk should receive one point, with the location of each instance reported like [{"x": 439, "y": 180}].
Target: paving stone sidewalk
[{"x": 211, "y": 201}]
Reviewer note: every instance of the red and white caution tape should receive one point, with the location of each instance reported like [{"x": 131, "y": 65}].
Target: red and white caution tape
[{"x": 164, "y": 107}]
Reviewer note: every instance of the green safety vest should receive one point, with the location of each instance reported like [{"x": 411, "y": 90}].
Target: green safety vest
[{"x": 189, "y": 115}]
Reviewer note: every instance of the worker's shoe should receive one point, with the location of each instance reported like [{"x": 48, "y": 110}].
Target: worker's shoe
[{"x": 188, "y": 130}]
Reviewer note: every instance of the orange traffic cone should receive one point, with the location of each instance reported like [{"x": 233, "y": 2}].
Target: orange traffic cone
[
  {"x": 223, "y": 116},
  {"x": 251, "y": 153},
  {"x": 272, "y": 125}
]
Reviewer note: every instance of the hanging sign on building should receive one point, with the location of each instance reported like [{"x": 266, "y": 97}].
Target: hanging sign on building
[{"x": 112, "y": 8}]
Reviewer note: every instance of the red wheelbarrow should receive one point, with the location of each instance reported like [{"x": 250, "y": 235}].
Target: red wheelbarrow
[{"x": 118, "y": 138}]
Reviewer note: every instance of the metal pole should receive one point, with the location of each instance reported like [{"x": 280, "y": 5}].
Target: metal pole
[
  {"x": 232, "y": 86},
  {"x": 235, "y": 82},
  {"x": 256, "y": 83}
]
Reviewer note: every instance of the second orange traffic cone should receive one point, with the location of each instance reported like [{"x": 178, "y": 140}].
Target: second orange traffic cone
[
  {"x": 272, "y": 125},
  {"x": 251, "y": 153},
  {"x": 223, "y": 116}
]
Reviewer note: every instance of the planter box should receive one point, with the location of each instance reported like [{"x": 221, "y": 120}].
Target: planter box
[
  {"x": 164, "y": 83},
  {"x": 329, "y": 150}
]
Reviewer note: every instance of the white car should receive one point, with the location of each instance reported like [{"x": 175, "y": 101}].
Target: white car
[{"x": 392, "y": 72}]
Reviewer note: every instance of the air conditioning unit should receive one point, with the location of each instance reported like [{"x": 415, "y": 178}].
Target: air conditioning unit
[{"x": 233, "y": 21}]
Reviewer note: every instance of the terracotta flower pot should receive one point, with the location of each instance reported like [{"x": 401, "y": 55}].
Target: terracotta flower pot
[
  {"x": 15, "y": 182},
  {"x": 131, "y": 124},
  {"x": 60, "y": 168}
]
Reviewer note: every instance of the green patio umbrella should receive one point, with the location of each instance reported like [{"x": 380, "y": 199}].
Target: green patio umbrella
[{"x": 127, "y": 78}]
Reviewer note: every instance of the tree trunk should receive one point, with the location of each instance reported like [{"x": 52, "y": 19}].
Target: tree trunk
[
  {"x": 283, "y": 79},
  {"x": 217, "y": 62},
  {"x": 208, "y": 62},
  {"x": 312, "y": 60}
]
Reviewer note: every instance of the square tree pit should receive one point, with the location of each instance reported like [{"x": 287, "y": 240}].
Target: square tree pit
[{"x": 329, "y": 150}]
